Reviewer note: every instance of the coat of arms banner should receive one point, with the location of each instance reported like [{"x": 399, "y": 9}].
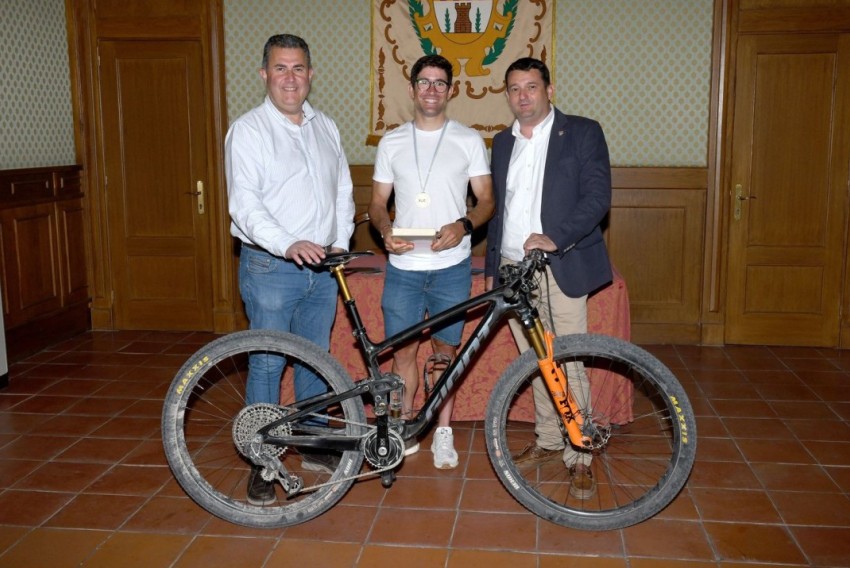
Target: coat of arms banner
[{"x": 481, "y": 38}]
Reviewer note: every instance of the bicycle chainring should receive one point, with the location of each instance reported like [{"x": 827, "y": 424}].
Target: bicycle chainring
[{"x": 385, "y": 458}]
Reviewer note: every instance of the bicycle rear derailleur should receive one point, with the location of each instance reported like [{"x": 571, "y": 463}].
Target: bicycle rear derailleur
[{"x": 250, "y": 444}]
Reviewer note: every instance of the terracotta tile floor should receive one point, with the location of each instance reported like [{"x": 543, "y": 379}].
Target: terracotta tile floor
[{"x": 83, "y": 480}]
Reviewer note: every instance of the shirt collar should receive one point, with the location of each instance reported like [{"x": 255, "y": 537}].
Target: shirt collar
[
  {"x": 544, "y": 126},
  {"x": 306, "y": 109}
]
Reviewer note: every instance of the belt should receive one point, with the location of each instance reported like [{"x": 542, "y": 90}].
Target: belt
[
  {"x": 261, "y": 249},
  {"x": 254, "y": 247}
]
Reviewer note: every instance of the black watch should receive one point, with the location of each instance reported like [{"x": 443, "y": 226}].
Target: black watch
[{"x": 467, "y": 225}]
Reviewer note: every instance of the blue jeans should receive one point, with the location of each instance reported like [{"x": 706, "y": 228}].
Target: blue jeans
[
  {"x": 409, "y": 294},
  {"x": 281, "y": 296}
]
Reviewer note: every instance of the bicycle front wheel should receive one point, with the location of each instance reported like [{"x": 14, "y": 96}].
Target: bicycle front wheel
[
  {"x": 643, "y": 436},
  {"x": 205, "y": 421}
]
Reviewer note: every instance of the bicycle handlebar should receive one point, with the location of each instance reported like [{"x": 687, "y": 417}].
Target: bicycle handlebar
[{"x": 520, "y": 276}]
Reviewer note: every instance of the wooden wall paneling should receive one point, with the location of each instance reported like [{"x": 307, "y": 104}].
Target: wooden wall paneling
[
  {"x": 44, "y": 278},
  {"x": 31, "y": 249},
  {"x": 656, "y": 241},
  {"x": 365, "y": 236},
  {"x": 71, "y": 232},
  {"x": 804, "y": 16}
]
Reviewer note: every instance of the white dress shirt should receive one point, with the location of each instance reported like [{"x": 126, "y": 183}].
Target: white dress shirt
[
  {"x": 288, "y": 182},
  {"x": 525, "y": 187}
]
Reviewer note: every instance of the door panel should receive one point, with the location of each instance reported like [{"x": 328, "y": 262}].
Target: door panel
[
  {"x": 155, "y": 156},
  {"x": 788, "y": 190}
]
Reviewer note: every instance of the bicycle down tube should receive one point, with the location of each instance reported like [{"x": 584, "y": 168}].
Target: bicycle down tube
[{"x": 497, "y": 306}]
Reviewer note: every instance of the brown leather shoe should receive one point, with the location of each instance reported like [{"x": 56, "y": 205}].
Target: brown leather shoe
[
  {"x": 582, "y": 484},
  {"x": 533, "y": 455}
]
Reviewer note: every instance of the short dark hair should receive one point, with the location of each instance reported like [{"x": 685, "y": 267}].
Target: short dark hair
[
  {"x": 437, "y": 61},
  {"x": 286, "y": 41},
  {"x": 529, "y": 64}
]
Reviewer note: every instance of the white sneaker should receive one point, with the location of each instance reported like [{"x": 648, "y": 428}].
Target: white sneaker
[{"x": 445, "y": 456}]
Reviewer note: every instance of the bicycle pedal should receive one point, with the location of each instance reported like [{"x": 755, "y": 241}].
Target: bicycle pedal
[{"x": 387, "y": 479}]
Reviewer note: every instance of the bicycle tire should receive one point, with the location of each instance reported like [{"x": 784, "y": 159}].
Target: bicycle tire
[
  {"x": 197, "y": 430},
  {"x": 645, "y": 412}
]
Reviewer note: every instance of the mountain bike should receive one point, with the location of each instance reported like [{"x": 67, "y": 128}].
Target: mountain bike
[{"x": 639, "y": 424}]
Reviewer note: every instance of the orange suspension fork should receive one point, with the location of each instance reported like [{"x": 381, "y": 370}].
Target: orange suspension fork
[{"x": 558, "y": 387}]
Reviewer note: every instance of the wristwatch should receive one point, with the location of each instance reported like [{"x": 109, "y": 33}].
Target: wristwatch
[{"x": 467, "y": 225}]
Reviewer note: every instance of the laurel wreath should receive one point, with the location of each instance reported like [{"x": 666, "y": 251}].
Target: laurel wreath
[
  {"x": 499, "y": 45},
  {"x": 510, "y": 7},
  {"x": 415, "y": 8}
]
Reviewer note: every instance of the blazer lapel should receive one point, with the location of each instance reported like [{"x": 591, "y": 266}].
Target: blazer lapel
[
  {"x": 557, "y": 142},
  {"x": 502, "y": 158}
]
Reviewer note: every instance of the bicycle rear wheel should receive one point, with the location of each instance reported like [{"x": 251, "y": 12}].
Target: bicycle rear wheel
[
  {"x": 198, "y": 433},
  {"x": 645, "y": 439}
]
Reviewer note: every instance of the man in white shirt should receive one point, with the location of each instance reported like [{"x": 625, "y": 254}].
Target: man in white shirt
[
  {"x": 552, "y": 184},
  {"x": 429, "y": 163},
  {"x": 290, "y": 198}
]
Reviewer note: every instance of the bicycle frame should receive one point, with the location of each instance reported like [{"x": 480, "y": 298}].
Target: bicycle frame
[
  {"x": 500, "y": 301},
  {"x": 497, "y": 307}
]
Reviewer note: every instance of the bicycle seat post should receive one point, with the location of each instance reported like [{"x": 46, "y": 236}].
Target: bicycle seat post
[{"x": 338, "y": 272}]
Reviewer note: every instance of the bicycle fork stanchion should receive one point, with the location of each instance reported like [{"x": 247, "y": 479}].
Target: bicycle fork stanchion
[{"x": 558, "y": 385}]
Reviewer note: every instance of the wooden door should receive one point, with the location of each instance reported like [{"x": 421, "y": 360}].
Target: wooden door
[
  {"x": 788, "y": 189},
  {"x": 155, "y": 155}
]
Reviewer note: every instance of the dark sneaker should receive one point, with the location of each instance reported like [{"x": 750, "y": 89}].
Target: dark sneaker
[
  {"x": 260, "y": 491},
  {"x": 533, "y": 455},
  {"x": 321, "y": 462},
  {"x": 582, "y": 484}
]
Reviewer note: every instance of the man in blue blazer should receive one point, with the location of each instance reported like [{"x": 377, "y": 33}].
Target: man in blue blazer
[{"x": 552, "y": 185}]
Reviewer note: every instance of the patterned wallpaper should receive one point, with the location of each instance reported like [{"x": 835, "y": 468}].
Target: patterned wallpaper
[
  {"x": 640, "y": 67},
  {"x": 36, "y": 116}
]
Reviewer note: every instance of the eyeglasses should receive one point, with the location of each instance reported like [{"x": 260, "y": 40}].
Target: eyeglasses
[{"x": 424, "y": 84}]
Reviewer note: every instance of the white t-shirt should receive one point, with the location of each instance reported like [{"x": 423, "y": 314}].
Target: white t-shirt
[{"x": 461, "y": 155}]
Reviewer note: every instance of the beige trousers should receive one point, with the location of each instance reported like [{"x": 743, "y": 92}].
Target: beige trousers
[{"x": 569, "y": 316}]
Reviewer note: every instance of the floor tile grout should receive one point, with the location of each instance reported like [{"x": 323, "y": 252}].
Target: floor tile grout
[{"x": 739, "y": 377}]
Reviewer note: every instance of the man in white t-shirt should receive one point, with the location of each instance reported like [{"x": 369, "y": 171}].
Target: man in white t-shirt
[{"x": 429, "y": 164}]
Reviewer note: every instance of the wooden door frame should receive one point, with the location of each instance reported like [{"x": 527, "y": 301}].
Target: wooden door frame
[
  {"x": 731, "y": 20},
  {"x": 84, "y": 30}
]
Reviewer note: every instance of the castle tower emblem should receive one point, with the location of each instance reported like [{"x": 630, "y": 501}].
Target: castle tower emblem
[{"x": 472, "y": 31}]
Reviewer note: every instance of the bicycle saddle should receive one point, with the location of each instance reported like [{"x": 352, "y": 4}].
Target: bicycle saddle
[{"x": 336, "y": 258}]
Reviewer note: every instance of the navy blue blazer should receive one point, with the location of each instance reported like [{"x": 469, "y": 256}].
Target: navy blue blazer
[{"x": 576, "y": 198}]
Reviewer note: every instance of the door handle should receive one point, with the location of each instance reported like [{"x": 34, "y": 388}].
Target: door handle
[
  {"x": 200, "y": 195},
  {"x": 739, "y": 198}
]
